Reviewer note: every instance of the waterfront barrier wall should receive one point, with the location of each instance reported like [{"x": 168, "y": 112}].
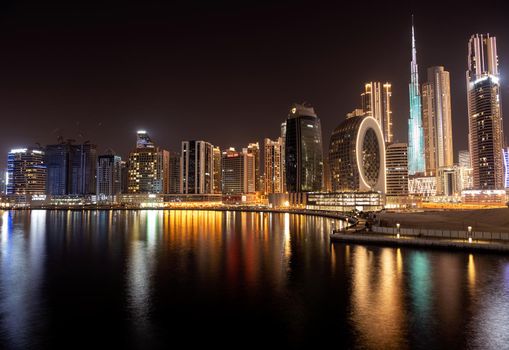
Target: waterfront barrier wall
[{"x": 420, "y": 232}]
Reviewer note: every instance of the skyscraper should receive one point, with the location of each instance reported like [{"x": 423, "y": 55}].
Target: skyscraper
[
  {"x": 303, "y": 150},
  {"x": 109, "y": 177},
  {"x": 175, "y": 160},
  {"x": 416, "y": 163},
  {"x": 197, "y": 167},
  {"x": 485, "y": 113},
  {"x": 437, "y": 120},
  {"x": 376, "y": 103},
  {"x": 26, "y": 173},
  {"x": 254, "y": 149},
  {"x": 148, "y": 167},
  {"x": 273, "y": 165},
  {"x": 506, "y": 166},
  {"x": 217, "y": 171},
  {"x": 397, "y": 169},
  {"x": 464, "y": 159}
]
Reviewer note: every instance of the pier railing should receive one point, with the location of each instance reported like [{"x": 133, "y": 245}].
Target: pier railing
[{"x": 464, "y": 235}]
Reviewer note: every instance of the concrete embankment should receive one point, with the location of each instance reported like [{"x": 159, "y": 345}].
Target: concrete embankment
[{"x": 431, "y": 243}]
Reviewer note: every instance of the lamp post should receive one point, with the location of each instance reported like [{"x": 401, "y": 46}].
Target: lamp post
[
  {"x": 469, "y": 230},
  {"x": 397, "y": 226}
]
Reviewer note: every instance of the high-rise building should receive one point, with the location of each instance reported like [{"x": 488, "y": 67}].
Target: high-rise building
[
  {"x": 506, "y": 166},
  {"x": 197, "y": 171},
  {"x": 283, "y": 157},
  {"x": 376, "y": 103},
  {"x": 464, "y": 159},
  {"x": 26, "y": 173},
  {"x": 485, "y": 113},
  {"x": 217, "y": 170},
  {"x": 357, "y": 156},
  {"x": 124, "y": 177},
  {"x": 303, "y": 150},
  {"x": 254, "y": 149},
  {"x": 273, "y": 165},
  {"x": 416, "y": 161},
  {"x": 238, "y": 170},
  {"x": 149, "y": 167},
  {"x": 109, "y": 177},
  {"x": 71, "y": 168},
  {"x": 437, "y": 120},
  {"x": 175, "y": 160},
  {"x": 396, "y": 164}
]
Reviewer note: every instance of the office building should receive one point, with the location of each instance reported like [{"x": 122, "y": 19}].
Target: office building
[
  {"x": 437, "y": 120},
  {"x": 376, "y": 103},
  {"x": 357, "y": 156},
  {"x": 464, "y": 159},
  {"x": 197, "y": 171},
  {"x": 254, "y": 149},
  {"x": 174, "y": 186},
  {"x": 396, "y": 164},
  {"x": 303, "y": 150},
  {"x": 238, "y": 172},
  {"x": 217, "y": 171},
  {"x": 506, "y": 166},
  {"x": 485, "y": 113}
]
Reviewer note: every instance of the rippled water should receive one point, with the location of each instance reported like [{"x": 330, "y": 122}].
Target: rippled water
[{"x": 149, "y": 279}]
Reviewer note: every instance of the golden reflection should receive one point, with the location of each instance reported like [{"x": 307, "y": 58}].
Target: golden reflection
[
  {"x": 377, "y": 299},
  {"x": 399, "y": 261},
  {"x": 471, "y": 273}
]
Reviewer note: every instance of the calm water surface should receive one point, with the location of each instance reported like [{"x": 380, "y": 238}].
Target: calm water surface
[{"x": 160, "y": 279}]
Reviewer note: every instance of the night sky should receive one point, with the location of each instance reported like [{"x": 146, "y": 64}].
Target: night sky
[{"x": 224, "y": 72}]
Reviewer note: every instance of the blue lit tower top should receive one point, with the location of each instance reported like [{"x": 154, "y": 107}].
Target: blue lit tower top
[{"x": 416, "y": 163}]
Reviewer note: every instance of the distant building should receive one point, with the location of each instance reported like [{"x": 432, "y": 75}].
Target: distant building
[
  {"x": 71, "y": 169},
  {"x": 217, "y": 171},
  {"x": 464, "y": 159},
  {"x": 124, "y": 176},
  {"x": 197, "y": 171},
  {"x": 485, "y": 113},
  {"x": 273, "y": 165},
  {"x": 148, "y": 166},
  {"x": 238, "y": 170},
  {"x": 109, "y": 177},
  {"x": 303, "y": 150},
  {"x": 425, "y": 186},
  {"x": 376, "y": 103},
  {"x": 396, "y": 164},
  {"x": 283, "y": 156},
  {"x": 357, "y": 156},
  {"x": 175, "y": 172},
  {"x": 254, "y": 149},
  {"x": 437, "y": 120},
  {"x": 26, "y": 173},
  {"x": 506, "y": 166}
]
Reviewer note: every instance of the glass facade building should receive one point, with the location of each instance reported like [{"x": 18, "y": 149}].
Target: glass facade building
[
  {"x": 197, "y": 171},
  {"x": 303, "y": 150},
  {"x": 26, "y": 173}
]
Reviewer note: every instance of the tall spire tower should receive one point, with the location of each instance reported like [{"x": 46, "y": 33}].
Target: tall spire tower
[{"x": 416, "y": 162}]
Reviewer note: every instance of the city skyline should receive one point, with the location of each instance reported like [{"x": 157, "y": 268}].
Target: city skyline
[{"x": 167, "y": 108}]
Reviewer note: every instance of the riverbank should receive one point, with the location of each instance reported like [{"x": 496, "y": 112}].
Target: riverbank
[{"x": 487, "y": 220}]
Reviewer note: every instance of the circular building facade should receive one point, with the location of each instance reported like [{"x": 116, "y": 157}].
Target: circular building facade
[{"x": 357, "y": 156}]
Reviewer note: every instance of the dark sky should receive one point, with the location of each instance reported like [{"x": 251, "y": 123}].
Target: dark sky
[{"x": 224, "y": 72}]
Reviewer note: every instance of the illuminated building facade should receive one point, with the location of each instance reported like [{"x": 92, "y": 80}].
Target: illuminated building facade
[
  {"x": 376, "y": 103},
  {"x": 174, "y": 186},
  {"x": 283, "y": 157},
  {"x": 464, "y": 159},
  {"x": 148, "y": 167},
  {"x": 238, "y": 168},
  {"x": 425, "y": 186},
  {"x": 26, "y": 173},
  {"x": 485, "y": 113},
  {"x": 357, "y": 156},
  {"x": 416, "y": 162},
  {"x": 437, "y": 120},
  {"x": 109, "y": 177},
  {"x": 217, "y": 170},
  {"x": 345, "y": 201},
  {"x": 396, "y": 164},
  {"x": 273, "y": 165},
  {"x": 197, "y": 171},
  {"x": 254, "y": 149},
  {"x": 303, "y": 150},
  {"x": 506, "y": 166}
]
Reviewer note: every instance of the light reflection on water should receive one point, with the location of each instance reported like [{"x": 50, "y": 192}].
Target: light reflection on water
[{"x": 150, "y": 278}]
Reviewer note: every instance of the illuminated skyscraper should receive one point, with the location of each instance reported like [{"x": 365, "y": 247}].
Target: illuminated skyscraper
[
  {"x": 506, "y": 166},
  {"x": 416, "y": 163},
  {"x": 273, "y": 165},
  {"x": 303, "y": 150},
  {"x": 376, "y": 103},
  {"x": 464, "y": 159},
  {"x": 148, "y": 167},
  {"x": 396, "y": 164},
  {"x": 238, "y": 170},
  {"x": 485, "y": 113},
  {"x": 197, "y": 171},
  {"x": 109, "y": 177},
  {"x": 175, "y": 160},
  {"x": 254, "y": 149},
  {"x": 437, "y": 120},
  {"x": 217, "y": 170},
  {"x": 26, "y": 173}
]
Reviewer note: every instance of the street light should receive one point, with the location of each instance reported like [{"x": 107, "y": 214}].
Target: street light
[
  {"x": 469, "y": 229},
  {"x": 397, "y": 226}
]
